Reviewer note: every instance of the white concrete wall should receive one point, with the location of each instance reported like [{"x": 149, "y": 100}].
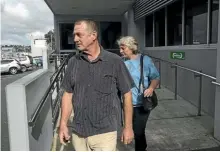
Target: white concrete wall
[
  {"x": 36, "y": 51},
  {"x": 23, "y": 96},
  {"x": 37, "y": 47}
]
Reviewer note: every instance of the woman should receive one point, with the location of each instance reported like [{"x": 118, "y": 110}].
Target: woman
[{"x": 128, "y": 48}]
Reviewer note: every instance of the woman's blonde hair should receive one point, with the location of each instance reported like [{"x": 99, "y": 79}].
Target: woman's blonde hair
[{"x": 130, "y": 42}]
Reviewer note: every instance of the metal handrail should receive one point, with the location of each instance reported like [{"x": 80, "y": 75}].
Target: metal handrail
[
  {"x": 59, "y": 68},
  {"x": 216, "y": 83},
  {"x": 52, "y": 52},
  {"x": 198, "y": 74},
  {"x": 32, "y": 121},
  {"x": 185, "y": 68}
]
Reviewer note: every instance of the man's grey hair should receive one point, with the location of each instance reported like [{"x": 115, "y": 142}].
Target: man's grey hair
[
  {"x": 91, "y": 24},
  {"x": 130, "y": 42}
]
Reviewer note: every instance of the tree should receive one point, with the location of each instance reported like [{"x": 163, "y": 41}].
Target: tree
[{"x": 48, "y": 37}]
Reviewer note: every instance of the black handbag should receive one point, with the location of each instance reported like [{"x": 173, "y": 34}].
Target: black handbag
[{"x": 149, "y": 103}]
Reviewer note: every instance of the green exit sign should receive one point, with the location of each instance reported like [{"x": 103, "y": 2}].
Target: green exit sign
[{"x": 177, "y": 55}]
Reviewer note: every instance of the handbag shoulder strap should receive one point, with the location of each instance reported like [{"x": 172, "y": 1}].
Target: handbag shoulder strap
[{"x": 141, "y": 72}]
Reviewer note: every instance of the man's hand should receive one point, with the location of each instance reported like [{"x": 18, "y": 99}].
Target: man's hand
[
  {"x": 64, "y": 134},
  {"x": 148, "y": 92},
  {"x": 66, "y": 109},
  {"x": 127, "y": 135}
]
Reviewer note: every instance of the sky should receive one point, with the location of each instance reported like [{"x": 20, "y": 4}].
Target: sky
[{"x": 23, "y": 19}]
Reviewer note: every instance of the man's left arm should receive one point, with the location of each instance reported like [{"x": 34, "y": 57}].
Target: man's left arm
[{"x": 125, "y": 84}]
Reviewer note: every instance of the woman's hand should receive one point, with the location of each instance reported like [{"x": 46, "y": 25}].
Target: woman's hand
[{"x": 148, "y": 92}]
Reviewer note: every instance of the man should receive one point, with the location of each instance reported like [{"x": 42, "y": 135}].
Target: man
[{"x": 91, "y": 83}]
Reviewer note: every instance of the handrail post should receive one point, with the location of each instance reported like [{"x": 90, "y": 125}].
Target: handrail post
[
  {"x": 176, "y": 84},
  {"x": 56, "y": 66},
  {"x": 61, "y": 76},
  {"x": 51, "y": 98},
  {"x": 200, "y": 93},
  {"x": 64, "y": 69},
  {"x": 58, "y": 85}
]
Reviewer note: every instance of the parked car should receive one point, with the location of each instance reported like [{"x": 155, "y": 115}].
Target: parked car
[
  {"x": 38, "y": 62},
  {"x": 10, "y": 65},
  {"x": 26, "y": 62}
]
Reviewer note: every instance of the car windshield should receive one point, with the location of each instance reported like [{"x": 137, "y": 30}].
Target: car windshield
[{"x": 22, "y": 58}]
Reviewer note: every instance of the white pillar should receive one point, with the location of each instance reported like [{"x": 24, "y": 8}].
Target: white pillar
[
  {"x": 45, "y": 59},
  {"x": 17, "y": 117},
  {"x": 217, "y": 92}
]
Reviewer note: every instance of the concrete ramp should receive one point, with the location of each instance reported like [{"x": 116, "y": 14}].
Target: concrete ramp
[{"x": 173, "y": 125}]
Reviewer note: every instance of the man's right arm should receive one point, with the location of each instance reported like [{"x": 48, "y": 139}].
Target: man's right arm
[
  {"x": 66, "y": 108},
  {"x": 67, "y": 85},
  {"x": 125, "y": 84},
  {"x": 66, "y": 105}
]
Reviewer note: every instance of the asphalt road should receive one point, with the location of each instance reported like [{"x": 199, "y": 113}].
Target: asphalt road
[{"x": 5, "y": 80}]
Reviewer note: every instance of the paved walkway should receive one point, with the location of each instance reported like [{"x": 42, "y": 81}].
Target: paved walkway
[{"x": 174, "y": 125}]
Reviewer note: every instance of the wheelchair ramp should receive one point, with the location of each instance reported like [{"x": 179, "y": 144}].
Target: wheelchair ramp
[{"x": 173, "y": 125}]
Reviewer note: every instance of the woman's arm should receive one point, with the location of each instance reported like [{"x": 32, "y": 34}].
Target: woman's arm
[{"x": 154, "y": 78}]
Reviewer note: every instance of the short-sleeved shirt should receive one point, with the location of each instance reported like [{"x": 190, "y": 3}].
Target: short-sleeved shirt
[
  {"x": 95, "y": 87},
  {"x": 150, "y": 72}
]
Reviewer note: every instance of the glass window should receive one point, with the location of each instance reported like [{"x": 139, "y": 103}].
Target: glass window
[
  {"x": 22, "y": 59},
  {"x": 66, "y": 36},
  {"x": 6, "y": 61},
  {"x": 160, "y": 28},
  {"x": 214, "y": 21},
  {"x": 109, "y": 34},
  {"x": 174, "y": 23},
  {"x": 196, "y": 21},
  {"x": 149, "y": 31}
]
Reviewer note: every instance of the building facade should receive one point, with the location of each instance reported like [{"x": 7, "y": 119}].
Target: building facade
[{"x": 186, "y": 27}]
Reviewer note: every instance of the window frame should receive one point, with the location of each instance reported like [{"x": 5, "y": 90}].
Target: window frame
[
  {"x": 208, "y": 43},
  {"x": 60, "y": 35},
  {"x": 100, "y": 33},
  {"x": 145, "y": 38}
]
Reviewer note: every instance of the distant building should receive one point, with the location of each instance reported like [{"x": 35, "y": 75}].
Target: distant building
[
  {"x": 7, "y": 52},
  {"x": 37, "y": 47},
  {"x": 15, "y": 51}
]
